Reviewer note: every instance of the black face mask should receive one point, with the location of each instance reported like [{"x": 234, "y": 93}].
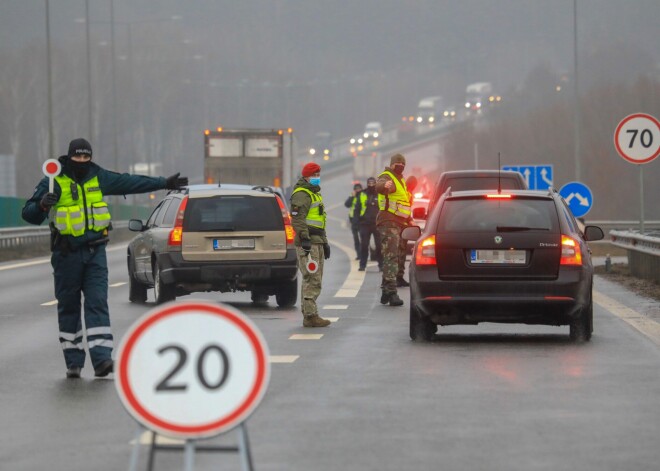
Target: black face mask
[
  {"x": 79, "y": 169},
  {"x": 398, "y": 169},
  {"x": 371, "y": 189}
]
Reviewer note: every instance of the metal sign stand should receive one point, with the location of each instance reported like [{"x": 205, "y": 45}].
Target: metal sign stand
[{"x": 190, "y": 447}]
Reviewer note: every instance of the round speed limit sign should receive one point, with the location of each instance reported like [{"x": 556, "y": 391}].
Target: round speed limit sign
[
  {"x": 192, "y": 370},
  {"x": 637, "y": 138}
]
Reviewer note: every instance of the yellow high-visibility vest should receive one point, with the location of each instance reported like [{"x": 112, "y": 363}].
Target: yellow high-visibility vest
[
  {"x": 315, "y": 215},
  {"x": 398, "y": 202},
  {"x": 71, "y": 212},
  {"x": 363, "y": 205}
]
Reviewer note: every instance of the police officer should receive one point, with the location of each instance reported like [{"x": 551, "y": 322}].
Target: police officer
[
  {"x": 368, "y": 225},
  {"x": 308, "y": 220},
  {"x": 394, "y": 215},
  {"x": 80, "y": 221},
  {"x": 356, "y": 206}
]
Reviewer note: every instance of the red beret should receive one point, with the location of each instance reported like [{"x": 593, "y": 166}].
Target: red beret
[{"x": 310, "y": 169}]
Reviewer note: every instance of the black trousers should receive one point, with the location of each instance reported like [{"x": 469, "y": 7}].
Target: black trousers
[
  {"x": 366, "y": 231},
  {"x": 355, "y": 229}
]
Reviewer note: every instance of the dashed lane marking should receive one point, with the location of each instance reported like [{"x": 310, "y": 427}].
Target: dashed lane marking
[
  {"x": 115, "y": 285},
  {"x": 49, "y": 303},
  {"x": 336, "y": 306},
  {"x": 40, "y": 261},
  {"x": 354, "y": 279},
  {"x": 283, "y": 358},
  {"x": 306, "y": 337},
  {"x": 645, "y": 325},
  {"x": 332, "y": 319}
]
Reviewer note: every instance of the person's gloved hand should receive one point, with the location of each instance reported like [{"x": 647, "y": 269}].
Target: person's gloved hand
[
  {"x": 175, "y": 182},
  {"x": 48, "y": 201},
  {"x": 306, "y": 245},
  {"x": 326, "y": 251}
]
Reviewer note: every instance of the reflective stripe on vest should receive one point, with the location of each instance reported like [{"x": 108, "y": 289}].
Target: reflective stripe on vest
[
  {"x": 315, "y": 216},
  {"x": 363, "y": 205},
  {"x": 398, "y": 202},
  {"x": 69, "y": 213}
]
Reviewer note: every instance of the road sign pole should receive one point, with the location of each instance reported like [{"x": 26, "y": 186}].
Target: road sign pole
[{"x": 641, "y": 199}]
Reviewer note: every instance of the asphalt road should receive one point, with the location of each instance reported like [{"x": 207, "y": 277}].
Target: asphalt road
[{"x": 363, "y": 396}]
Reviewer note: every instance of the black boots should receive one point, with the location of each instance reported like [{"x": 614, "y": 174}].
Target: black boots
[
  {"x": 392, "y": 298},
  {"x": 401, "y": 283}
]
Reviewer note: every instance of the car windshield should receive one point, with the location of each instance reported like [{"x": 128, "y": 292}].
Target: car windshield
[
  {"x": 498, "y": 215},
  {"x": 232, "y": 213}
]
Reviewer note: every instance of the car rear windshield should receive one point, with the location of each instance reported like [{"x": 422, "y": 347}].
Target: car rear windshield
[
  {"x": 482, "y": 183},
  {"x": 498, "y": 215},
  {"x": 232, "y": 213}
]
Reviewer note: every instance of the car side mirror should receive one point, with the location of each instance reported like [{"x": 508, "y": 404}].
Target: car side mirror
[
  {"x": 411, "y": 233},
  {"x": 135, "y": 225},
  {"x": 593, "y": 233},
  {"x": 419, "y": 213}
]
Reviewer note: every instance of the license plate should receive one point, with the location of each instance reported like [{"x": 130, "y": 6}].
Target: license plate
[
  {"x": 515, "y": 257},
  {"x": 233, "y": 244}
]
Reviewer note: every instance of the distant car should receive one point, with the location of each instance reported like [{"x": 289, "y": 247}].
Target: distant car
[
  {"x": 449, "y": 113},
  {"x": 373, "y": 132},
  {"x": 215, "y": 238},
  {"x": 515, "y": 256},
  {"x": 356, "y": 144},
  {"x": 322, "y": 147},
  {"x": 420, "y": 208},
  {"x": 462, "y": 180}
]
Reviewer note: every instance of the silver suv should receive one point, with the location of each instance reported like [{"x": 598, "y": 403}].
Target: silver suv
[{"x": 215, "y": 238}]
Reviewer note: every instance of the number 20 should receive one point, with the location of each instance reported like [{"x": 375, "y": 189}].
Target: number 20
[{"x": 166, "y": 385}]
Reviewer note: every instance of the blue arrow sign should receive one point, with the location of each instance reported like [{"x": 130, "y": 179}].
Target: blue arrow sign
[
  {"x": 529, "y": 174},
  {"x": 509, "y": 168},
  {"x": 578, "y": 197},
  {"x": 543, "y": 177}
]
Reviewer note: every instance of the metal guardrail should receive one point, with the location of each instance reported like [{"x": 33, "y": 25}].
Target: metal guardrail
[
  {"x": 643, "y": 252},
  {"x": 12, "y": 238}
]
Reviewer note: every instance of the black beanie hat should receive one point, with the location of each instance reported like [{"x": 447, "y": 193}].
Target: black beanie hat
[{"x": 80, "y": 146}]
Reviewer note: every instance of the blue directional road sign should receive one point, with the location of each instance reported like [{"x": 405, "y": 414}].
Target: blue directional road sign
[
  {"x": 538, "y": 177},
  {"x": 578, "y": 197}
]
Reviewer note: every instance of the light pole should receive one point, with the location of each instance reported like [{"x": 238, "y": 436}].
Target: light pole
[
  {"x": 51, "y": 137},
  {"x": 576, "y": 104},
  {"x": 90, "y": 124}
]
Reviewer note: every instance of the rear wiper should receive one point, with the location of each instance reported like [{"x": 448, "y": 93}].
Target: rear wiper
[{"x": 520, "y": 228}]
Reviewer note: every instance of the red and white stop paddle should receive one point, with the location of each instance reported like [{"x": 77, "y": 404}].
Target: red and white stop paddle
[
  {"x": 51, "y": 169},
  {"x": 312, "y": 266}
]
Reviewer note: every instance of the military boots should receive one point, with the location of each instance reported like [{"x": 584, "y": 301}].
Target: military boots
[
  {"x": 392, "y": 299},
  {"x": 315, "y": 321}
]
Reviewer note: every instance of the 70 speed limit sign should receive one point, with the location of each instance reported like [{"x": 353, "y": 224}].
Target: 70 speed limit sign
[
  {"x": 192, "y": 370},
  {"x": 637, "y": 138}
]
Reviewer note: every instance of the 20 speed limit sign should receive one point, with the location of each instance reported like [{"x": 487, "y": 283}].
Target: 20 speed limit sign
[
  {"x": 637, "y": 138},
  {"x": 192, "y": 370}
]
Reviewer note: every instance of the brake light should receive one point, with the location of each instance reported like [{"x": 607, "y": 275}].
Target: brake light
[
  {"x": 499, "y": 196},
  {"x": 176, "y": 234},
  {"x": 570, "y": 251},
  {"x": 288, "y": 228},
  {"x": 425, "y": 253}
]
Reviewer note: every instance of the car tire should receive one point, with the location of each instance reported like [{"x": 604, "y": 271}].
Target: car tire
[
  {"x": 163, "y": 292},
  {"x": 421, "y": 329},
  {"x": 287, "y": 295},
  {"x": 582, "y": 326},
  {"x": 137, "y": 292},
  {"x": 259, "y": 298}
]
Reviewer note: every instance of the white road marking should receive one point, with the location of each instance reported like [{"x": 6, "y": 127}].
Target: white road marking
[
  {"x": 354, "y": 279},
  {"x": 336, "y": 306},
  {"x": 306, "y": 337},
  {"x": 115, "y": 285},
  {"x": 145, "y": 439},
  {"x": 332, "y": 319},
  {"x": 40, "y": 261},
  {"x": 645, "y": 325},
  {"x": 49, "y": 303},
  {"x": 283, "y": 358}
]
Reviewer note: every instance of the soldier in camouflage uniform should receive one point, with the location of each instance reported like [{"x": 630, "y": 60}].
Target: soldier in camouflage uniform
[
  {"x": 394, "y": 215},
  {"x": 308, "y": 220}
]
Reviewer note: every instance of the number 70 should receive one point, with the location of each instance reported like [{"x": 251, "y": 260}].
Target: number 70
[{"x": 645, "y": 137}]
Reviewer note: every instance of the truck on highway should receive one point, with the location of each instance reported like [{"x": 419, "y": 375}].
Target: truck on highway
[
  {"x": 249, "y": 156},
  {"x": 429, "y": 110},
  {"x": 477, "y": 96}
]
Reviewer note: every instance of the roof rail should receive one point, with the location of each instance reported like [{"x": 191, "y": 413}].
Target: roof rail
[{"x": 263, "y": 188}]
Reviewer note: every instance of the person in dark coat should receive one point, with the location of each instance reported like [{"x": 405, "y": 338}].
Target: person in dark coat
[
  {"x": 368, "y": 227},
  {"x": 355, "y": 205},
  {"x": 80, "y": 220}
]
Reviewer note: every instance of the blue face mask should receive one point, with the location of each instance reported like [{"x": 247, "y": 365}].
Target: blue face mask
[{"x": 315, "y": 181}]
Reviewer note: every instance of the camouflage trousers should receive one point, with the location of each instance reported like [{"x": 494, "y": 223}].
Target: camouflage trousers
[
  {"x": 393, "y": 265},
  {"x": 311, "y": 282}
]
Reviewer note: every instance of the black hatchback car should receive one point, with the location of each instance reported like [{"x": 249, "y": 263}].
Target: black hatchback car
[{"x": 508, "y": 257}]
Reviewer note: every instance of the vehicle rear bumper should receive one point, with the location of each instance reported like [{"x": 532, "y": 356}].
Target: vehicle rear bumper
[
  {"x": 175, "y": 270},
  {"x": 550, "y": 302}
]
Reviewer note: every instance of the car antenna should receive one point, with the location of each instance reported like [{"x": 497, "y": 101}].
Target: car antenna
[{"x": 499, "y": 174}]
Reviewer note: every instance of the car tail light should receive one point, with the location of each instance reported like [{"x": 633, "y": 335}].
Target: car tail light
[
  {"x": 425, "y": 254},
  {"x": 176, "y": 233},
  {"x": 288, "y": 228},
  {"x": 570, "y": 251}
]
